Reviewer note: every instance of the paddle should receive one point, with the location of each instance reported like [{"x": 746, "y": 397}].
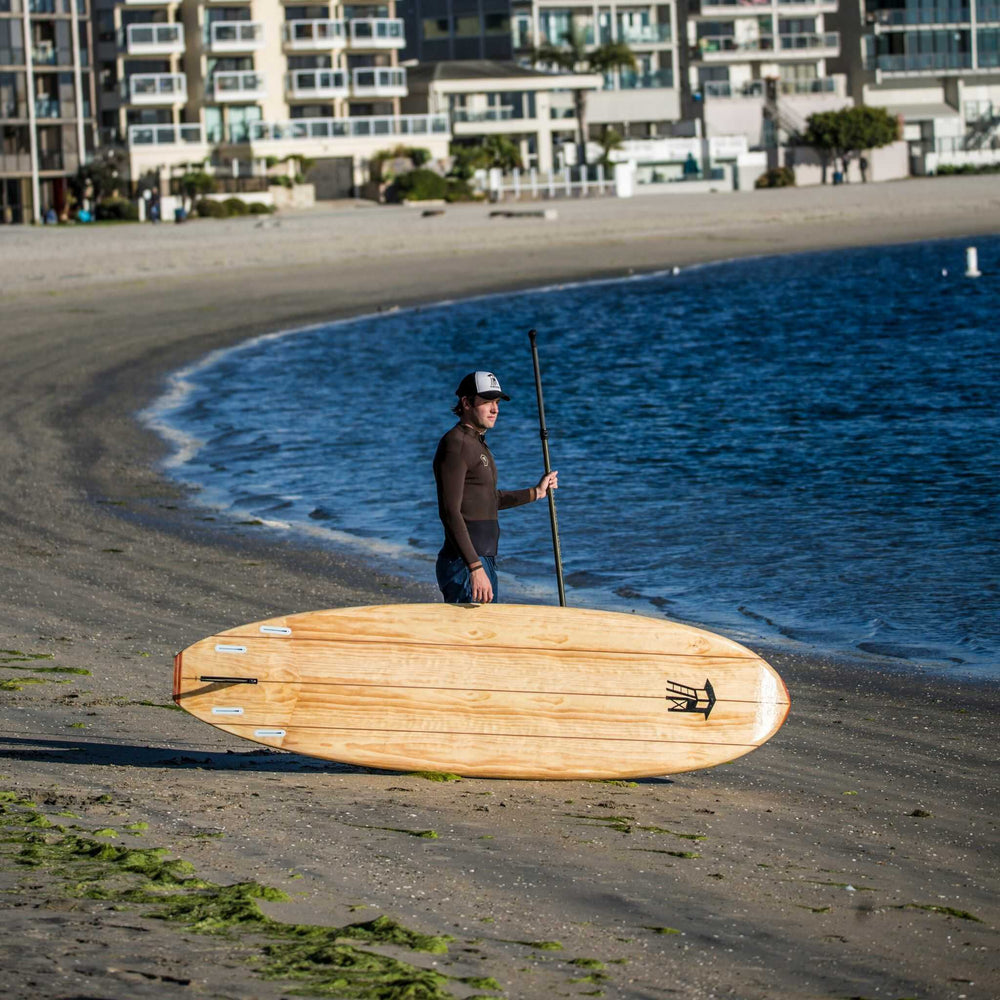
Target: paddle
[{"x": 532, "y": 335}]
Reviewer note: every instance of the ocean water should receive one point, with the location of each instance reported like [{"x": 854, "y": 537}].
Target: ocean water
[{"x": 799, "y": 450}]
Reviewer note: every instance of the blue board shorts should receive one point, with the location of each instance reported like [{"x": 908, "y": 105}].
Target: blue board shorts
[{"x": 453, "y": 578}]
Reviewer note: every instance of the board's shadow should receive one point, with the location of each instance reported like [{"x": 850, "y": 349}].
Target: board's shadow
[{"x": 134, "y": 755}]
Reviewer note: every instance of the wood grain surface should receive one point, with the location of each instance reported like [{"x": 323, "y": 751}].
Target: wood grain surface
[{"x": 486, "y": 690}]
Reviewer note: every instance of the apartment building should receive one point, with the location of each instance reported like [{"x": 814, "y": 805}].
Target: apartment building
[
  {"x": 759, "y": 68},
  {"x": 439, "y": 30},
  {"x": 483, "y": 97},
  {"x": 639, "y": 103},
  {"x": 46, "y": 104},
  {"x": 239, "y": 81},
  {"x": 935, "y": 64}
]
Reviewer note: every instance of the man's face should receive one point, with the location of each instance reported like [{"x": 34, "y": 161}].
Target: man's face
[{"x": 482, "y": 413}]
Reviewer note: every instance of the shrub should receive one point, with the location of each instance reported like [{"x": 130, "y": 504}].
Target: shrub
[
  {"x": 259, "y": 208},
  {"x": 947, "y": 169},
  {"x": 236, "y": 206},
  {"x": 281, "y": 181},
  {"x": 460, "y": 190},
  {"x": 419, "y": 185},
  {"x": 117, "y": 208},
  {"x": 418, "y": 155},
  {"x": 778, "y": 177},
  {"x": 208, "y": 209}
]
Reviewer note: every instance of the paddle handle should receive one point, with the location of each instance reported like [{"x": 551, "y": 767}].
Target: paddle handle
[{"x": 544, "y": 434}]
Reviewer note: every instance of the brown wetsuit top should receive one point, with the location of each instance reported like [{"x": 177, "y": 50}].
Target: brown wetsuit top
[{"x": 468, "y": 498}]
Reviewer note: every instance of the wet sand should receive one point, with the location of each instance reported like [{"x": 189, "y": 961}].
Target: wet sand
[{"x": 853, "y": 855}]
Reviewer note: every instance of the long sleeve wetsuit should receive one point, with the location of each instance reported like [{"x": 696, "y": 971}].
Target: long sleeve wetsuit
[{"x": 468, "y": 498}]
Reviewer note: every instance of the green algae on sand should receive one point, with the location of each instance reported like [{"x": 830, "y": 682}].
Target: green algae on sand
[{"x": 321, "y": 961}]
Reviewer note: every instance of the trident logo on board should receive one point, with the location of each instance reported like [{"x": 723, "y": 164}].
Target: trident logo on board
[{"x": 700, "y": 701}]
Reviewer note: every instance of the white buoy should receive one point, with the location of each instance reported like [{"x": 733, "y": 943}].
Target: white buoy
[{"x": 972, "y": 263}]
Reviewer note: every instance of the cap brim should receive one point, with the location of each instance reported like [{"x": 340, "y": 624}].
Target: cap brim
[{"x": 493, "y": 395}]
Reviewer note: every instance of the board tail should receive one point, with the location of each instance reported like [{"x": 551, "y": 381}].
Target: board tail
[{"x": 177, "y": 678}]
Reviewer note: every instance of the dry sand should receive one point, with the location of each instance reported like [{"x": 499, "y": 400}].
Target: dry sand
[{"x": 854, "y": 855}]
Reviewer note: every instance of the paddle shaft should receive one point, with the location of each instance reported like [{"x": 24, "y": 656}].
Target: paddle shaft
[{"x": 544, "y": 434}]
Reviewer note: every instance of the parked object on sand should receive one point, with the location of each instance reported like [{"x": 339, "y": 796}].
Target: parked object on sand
[{"x": 502, "y": 691}]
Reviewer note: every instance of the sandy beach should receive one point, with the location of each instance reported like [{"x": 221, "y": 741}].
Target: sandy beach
[{"x": 855, "y": 855}]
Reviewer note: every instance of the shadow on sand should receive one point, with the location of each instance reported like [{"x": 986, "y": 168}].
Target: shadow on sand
[{"x": 131, "y": 755}]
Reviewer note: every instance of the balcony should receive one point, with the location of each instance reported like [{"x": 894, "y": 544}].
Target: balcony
[
  {"x": 235, "y": 36},
  {"x": 155, "y": 88},
  {"x": 924, "y": 62},
  {"x": 755, "y": 88},
  {"x": 725, "y": 48},
  {"x": 310, "y": 84},
  {"x": 378, "y": 81},
  {"x": 336, "y": 128},
  {"x": 165, "y": 135},
  {"x": 237, "y": 85},
  {"x": 939, "y": 14},
  {"x": 645, "y": 81},
  {"x": 504, "y": 113},
  {"x": 377, "y": 33},
  {"x": 644, "y": 35},
  {"x": 154, "y": 39},
  {"x": 314, "y": 36},
  {"x": 46, "y": 107},
  {"x": 148, "y": 3},
  {"x": 754, "y": 8}
]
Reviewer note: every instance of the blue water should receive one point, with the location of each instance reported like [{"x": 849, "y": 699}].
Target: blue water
[{"x": 799, "y": 450}]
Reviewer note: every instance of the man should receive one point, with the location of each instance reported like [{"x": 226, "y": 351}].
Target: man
[{"x": 468, "y": 498}]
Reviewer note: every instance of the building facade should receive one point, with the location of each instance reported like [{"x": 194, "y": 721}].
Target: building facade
[
  {"x": 237, "y": 82},
  {"x": 935, "y": 64},
  {"x": 46, "y": 104},
  {"x": 640, "y": 103},
  {"x": 480, "y": 98},
  {"x": 438, "y": 30},
  {"x": 759, "y": 68}
]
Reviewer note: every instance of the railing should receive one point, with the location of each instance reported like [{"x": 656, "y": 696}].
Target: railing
[
  {"x": 919, "y": 63},
  {"x": 644, "y": 34},
  {"x": 336, "y": 128},
  {"x": 820, "y": 85},
  {"x": 723, "y": 88},
  {"x": 321, "y": 34},
  {"x": 46, "y": 55},
  {"x": 154, "y": 38},
  {"x": 378, "y": 81},
  {"x": 235, "y": 36},
  {"x": 502, "y": 114},
  {"x": 155, "y": 88},
  {"x": 646, "y": 81},
  {"x": 50, "y": 161},
  {"x": 377, "y": 32},
  {"x": 228, "y": 85},
  {"x": 317, "y": 83},
  {"x": 826, "y": 40},
  {"x": 940, "y": 14},
  {"x": 580, "y": 182},
  {"x": 46, "y": 107},
  {"x": 165, "y": 135}
]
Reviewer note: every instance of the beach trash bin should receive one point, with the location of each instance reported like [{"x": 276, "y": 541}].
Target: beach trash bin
[
  {"x": 838, "y": 177},
  {"x": 179, "y": 215}
]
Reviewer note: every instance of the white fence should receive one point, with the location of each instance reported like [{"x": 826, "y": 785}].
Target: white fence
[{"x": 571, "y": 182}]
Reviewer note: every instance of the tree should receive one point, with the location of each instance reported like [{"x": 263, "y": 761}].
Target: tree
[
  {"x": 847, "y": 133},
  {"x": 574, "y": 57},
  {"x": 96, "y": 180},
  {"x": 494, "y": 151}
]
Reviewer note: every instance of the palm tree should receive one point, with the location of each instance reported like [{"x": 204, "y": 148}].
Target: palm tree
[{"x": 574, "y": 57}]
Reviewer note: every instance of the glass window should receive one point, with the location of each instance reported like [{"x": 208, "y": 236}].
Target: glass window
[
  {"x": 467, "y": 26},
  {"x": 435, "y": 27}
]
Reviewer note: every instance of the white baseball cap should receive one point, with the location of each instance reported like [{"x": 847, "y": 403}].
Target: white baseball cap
[{"x": 483, "y": 384}]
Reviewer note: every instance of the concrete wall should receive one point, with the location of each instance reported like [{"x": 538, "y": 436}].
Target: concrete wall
[{"x": 889, "y": 163}]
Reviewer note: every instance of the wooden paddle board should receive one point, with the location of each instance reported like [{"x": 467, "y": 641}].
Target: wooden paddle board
[{"x": 501, "y": 691}]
